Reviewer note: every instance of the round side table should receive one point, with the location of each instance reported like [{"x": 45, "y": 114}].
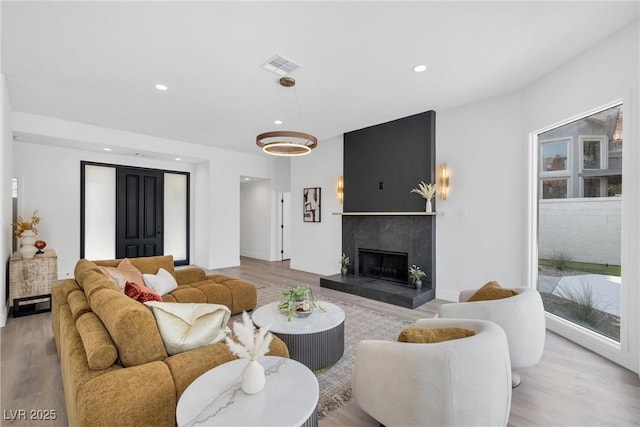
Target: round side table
[{"x": 289, "y": 398}]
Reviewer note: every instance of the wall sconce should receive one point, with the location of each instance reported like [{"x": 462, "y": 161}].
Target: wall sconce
[
  {"x": 443, "y": 181},
  {"x": 340, "y": 189}
]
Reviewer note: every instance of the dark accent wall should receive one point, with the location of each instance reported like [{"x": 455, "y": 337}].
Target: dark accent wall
[{"x": 383, "y": 163}]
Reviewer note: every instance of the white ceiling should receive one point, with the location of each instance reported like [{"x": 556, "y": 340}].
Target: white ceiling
[{"x": 97, "y": 62}]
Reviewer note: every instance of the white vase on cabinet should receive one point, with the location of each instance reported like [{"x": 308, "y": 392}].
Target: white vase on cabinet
[{"x": 27, "y": 239}]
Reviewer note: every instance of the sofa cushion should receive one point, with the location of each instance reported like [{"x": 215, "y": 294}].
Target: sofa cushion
[
  {"x": 78, "y": 304},
  {"x": 490, "y": 291},
  {"x": 98, "y": 345},
  {"x": 131, "y": 325},
  {"x": 204, "y": 291},
  {"x": 151, "y": 265},
  {"x": 90, "y": 278},
  {"x": 186, "y": 367},
  {"x": 244, "y": 294},
  {"x": 416, "y": 334},
  {"x": 184, "y": 276},
  {"x": 141, "y": 396},
  {"x": 162, "y": 282},
  {"x": 185, "y": 326},
  {"x": 144, "y": 264},
  {"x": 140, "y": 292}
]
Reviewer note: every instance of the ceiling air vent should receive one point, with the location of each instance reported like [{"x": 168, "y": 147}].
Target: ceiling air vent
[{"x": 281, "y": 65}]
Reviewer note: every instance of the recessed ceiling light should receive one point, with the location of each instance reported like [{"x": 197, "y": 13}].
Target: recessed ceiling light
[
  {"x": 178, "y": 158},
  {"x": 246, "y": 179},
  {"x": 107, "y": 149},
  {"x": 161, "y": 87},
  {"x": 278, "y": 122},
  {"x": 419, "y": 68}
]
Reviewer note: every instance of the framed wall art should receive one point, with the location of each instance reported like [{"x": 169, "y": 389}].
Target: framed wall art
[{"x": 311, "y": 204}]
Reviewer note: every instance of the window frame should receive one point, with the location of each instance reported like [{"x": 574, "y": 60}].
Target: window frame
[{"x": 623, "y": 352}]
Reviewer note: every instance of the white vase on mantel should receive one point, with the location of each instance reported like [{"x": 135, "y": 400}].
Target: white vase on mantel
[
  {"x": 428, "y": 207},
  {"x": 27, "y": 239},
  {"x": 253, "y": 379}
]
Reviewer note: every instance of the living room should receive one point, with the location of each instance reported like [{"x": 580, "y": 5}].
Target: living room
[{"x": 483, "y": 136}]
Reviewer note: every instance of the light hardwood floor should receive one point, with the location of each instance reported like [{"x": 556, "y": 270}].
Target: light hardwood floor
[{"x": 571, "y": 386}]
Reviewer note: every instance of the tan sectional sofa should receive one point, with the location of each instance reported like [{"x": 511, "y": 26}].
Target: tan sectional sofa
[{"x": 115, "y": 368}]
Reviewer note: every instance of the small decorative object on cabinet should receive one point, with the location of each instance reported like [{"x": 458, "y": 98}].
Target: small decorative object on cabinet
[
  {"x": 40, "y": 244},
  {"x": 27, "y": 231},
  {"x": 27, "y": 248},
  {"x": 30, "y": 282}
]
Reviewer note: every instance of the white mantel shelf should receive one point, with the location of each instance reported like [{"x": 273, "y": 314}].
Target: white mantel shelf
[{"x": 388, "y": 213}]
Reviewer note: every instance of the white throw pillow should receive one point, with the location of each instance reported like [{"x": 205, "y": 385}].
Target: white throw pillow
[
  {"x": 185, "y": 326},
  {"x": 162, "y": 282}
]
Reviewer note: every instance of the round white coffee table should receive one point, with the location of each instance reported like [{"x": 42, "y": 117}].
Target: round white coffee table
[
  {"x": 317, "y": 341},
  {"x": 289, "y": 397}
]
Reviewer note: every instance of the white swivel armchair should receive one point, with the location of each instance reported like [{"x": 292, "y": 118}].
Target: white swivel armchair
[
  {"x": 462, "y": 382},
  {"x": 520, "y": 316}
]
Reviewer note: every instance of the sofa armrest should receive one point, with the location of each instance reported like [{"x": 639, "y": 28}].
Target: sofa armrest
[
  {"x": 186, "y": 367},
  {"x": 142, "y": 395},
  {"x": 184, "y": 276}
]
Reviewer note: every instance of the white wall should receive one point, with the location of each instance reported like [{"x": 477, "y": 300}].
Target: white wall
[
  {"x": 6, "y": 173},
  {"x": 201, "y": 205},
  {"x": 53, "y": 188},
  {"x": 482, "y": 233},
  {"x": 225, "y": 170},
  {"x": 256, "y": 200},
  {"x": 606, "y": 73},
  {"x": 215, "y": 207},
  {"x": 586, "y": 230},
  {"x": 316, "y": 247}
]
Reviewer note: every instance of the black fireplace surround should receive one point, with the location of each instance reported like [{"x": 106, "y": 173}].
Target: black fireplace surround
[
  {"x": 391, "y": 234},
  {"x": 382, "y": 164}
]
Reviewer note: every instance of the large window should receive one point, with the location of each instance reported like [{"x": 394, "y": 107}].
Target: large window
[{"x": 579, "y": 221}]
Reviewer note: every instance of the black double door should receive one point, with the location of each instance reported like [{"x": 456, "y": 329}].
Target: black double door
[{"x": 139, "y": 210}]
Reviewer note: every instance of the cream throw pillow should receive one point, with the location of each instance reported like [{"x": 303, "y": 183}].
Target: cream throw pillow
[
  {"x": 185, "y": 326},
  {"x": 162, "y": 282}
]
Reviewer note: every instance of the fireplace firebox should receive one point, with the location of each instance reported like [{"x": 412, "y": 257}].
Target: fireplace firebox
[{"x": 385, "y": 265}]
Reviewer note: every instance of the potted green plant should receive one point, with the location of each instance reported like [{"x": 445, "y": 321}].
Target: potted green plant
[
  {"x": 344, "y": 263},
  {"x": 416, "y": 274},
  {"x": 299, "y": 302}
]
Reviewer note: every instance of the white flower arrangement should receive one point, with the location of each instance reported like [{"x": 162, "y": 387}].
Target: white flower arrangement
[
  {"x": 426, "y": 190},
  {"x": 250, "y": 344}
]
